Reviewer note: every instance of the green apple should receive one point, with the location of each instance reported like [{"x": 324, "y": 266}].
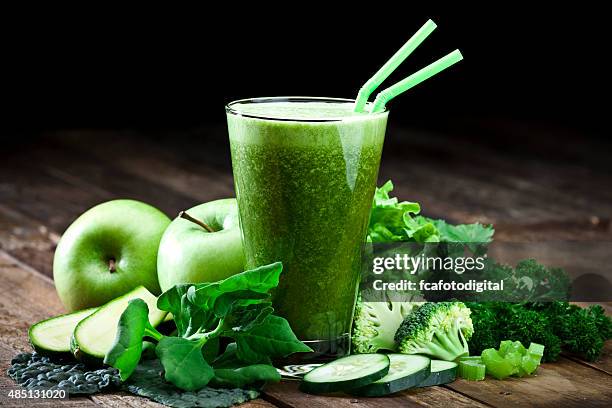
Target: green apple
[
  {"x": 202, "y": 244},
  {"x": 108, "y": 251}
]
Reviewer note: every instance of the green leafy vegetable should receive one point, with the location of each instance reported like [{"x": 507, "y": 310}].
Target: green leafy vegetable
[
  {"x": 476, "y": 232},
  {"x": 582, "y": 331},
  {"x": 391, "y": 220},
  {"x": 241, "y": 376},
  {"x": 512, "y": 321},
  {"x": 273, "y": 338},
  {"x": 133, "y": 326},
  {"x": 183, "y": 362},
  {"x": 238, "y": 308}
]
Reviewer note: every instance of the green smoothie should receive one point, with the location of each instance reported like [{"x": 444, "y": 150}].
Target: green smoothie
[{"x": 305, "y": 170}]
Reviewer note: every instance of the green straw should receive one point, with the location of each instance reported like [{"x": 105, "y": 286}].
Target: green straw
[
  {"x": 425, "y": 73},
  {"x": 390, "y": 66}
]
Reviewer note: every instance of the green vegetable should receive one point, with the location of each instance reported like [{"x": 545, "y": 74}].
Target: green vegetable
[
  {"x": 52, "y": 336},
  {"x": 376, "y": 323},
  {"x": 442, "y": 372},
  {"x": 439, "y": 330},
  {"x": 184, "y": 363},
  {"x": 536, "y": 349},
  {"x": 497, "y": 321},
  {"x": 241, "y": 376},
  {"x": 132, "y": 328},
  {"x": 475, "y": 359},
  {"x": 512, "y": 358},
  {"x": 238, "y": 308},
  {"x": 464, "y": 233},
  {"x": 486, "y": 327},
  {"x": 582, "y": 331},
  {"x": 95, "y": 335},
  {"x": 346, "y": 373},
  {"x": 497, "y": 365},
  {"x": 472, "y": 370},
  {"x": 405, "y": 372},
  {"x": 391, "y": 220}
]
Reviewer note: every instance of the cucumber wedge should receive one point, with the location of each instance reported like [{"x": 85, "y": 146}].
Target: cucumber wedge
[
  {"x": 94, "y": 335},
  {"x": 442, "y": 372},
  {"x": 346, "y": 373},
  {"x": 406, "y": 371},
  {"x": 51, "y": 337}
]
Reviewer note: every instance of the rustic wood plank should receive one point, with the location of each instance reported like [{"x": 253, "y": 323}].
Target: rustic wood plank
[
  {"x": 603, "y": 363},
  {"x": 83, "y": 169},
  {"x": 27, "y": 296},
  {"x": 203, "y": 178},
  {"x": 44, "y": 198},
  {"x": 27, "y": 240},
  {"x": 287, "y": 394},
  {"x": 560, "y": 384}
]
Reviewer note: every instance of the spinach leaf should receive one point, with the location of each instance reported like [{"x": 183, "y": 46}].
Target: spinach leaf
[
  {"x": 259, "y": 280},
  {"x": 239, "y": 377},
  {"x": 228, "y": 359},
  {"x": 183, "y": 362},
  {"x": 238, "y": 307},
  {"x": 133, "y": 325},
  {"x": 189, "y": 318},
  {"x": 247, "y": 318},
  {"x": 271, "y": 339}
]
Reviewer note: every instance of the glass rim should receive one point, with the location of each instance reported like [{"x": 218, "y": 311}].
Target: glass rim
[{"x": 269, "y": 99}]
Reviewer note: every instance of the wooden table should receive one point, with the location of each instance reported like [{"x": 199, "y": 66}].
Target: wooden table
[{"x": 533, "y": 191}]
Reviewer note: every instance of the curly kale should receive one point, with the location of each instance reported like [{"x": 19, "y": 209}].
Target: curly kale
[{"x": 440, "y": 330}]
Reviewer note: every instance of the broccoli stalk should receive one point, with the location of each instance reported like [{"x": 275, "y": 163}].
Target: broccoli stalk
[
  {"x": 440, "y": 330},
  {"x": 375, "y": 324}
]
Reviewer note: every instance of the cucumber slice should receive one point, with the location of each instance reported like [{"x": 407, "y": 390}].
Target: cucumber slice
[
  {"x": 52, "y": 336},
  {"x": 406, "y": 371},
  {"x": 442, "y": 372},
  {"x": 346, "y": 373},
  {"x": 94, "y": 335}
]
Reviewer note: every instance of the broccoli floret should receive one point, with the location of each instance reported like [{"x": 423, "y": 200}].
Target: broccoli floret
[
  {"x": 440, "y": 330},
  {"x": 375, "y": 324}
]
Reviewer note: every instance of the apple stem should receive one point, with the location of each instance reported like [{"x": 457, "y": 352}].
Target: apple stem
[
  {"x": 112, "y": 267},
  {"x": 183, "y": 214}
]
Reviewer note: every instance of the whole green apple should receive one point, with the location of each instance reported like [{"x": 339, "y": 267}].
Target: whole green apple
[
  {"x": 108, "y": 251},
  {"x": 203, "y": 244}
]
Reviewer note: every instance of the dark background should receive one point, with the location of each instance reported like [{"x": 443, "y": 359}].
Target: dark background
[{"x": 175, "y": 69}]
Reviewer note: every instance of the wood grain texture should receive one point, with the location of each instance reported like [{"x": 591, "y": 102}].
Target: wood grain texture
[
  {"x": 287, "y": 394},
  {"x": 560, "y": 384}
]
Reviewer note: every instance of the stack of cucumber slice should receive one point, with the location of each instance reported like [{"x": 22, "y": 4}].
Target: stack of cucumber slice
[{"x": 376, "y": 375}]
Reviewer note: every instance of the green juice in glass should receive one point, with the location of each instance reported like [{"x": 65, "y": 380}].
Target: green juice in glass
[{"x": 305, "y": 171}]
